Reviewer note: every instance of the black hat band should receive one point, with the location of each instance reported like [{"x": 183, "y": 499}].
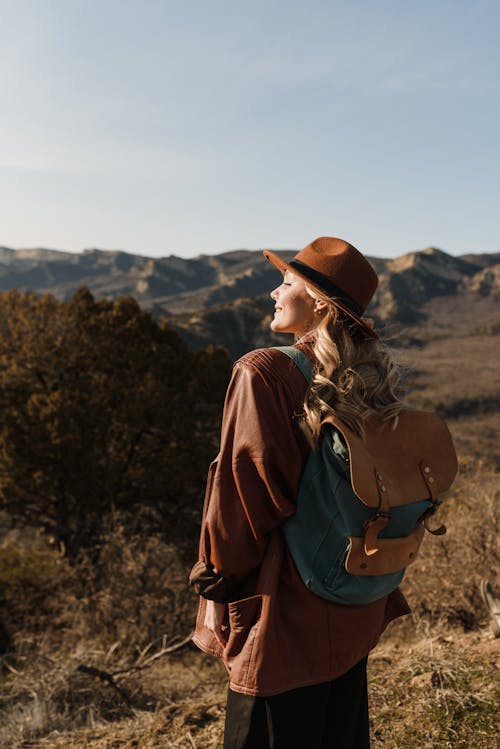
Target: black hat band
[{"x": 327, "y": 286}]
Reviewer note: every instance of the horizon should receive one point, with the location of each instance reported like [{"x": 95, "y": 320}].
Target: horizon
[{"x": 194, "y": 255}]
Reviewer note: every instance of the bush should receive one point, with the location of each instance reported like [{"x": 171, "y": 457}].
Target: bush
[
  {"x": 128, "y": 593},
  {"x": 103, "y": 409}
]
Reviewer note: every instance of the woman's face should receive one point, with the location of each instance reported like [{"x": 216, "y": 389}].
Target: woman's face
[{"x": 294, "y": 306}]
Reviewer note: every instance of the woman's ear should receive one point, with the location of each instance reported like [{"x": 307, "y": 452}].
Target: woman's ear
[{"x": 320, "y": 306}]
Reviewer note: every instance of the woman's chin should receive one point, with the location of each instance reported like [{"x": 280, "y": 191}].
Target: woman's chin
[{"x": 277, "y": 328}]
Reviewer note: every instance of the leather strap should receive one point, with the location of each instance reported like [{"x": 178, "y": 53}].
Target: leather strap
[
  {"x": 394, "y": 554},
  {"x": 440, "y": 530},
  {"x": 373, "y": 528}
]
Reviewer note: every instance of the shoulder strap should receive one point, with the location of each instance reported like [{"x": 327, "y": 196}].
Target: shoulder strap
[{"x": 299, "y": 358}]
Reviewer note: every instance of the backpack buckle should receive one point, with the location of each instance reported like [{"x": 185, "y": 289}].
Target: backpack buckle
[{"x": 372, "y": 529}]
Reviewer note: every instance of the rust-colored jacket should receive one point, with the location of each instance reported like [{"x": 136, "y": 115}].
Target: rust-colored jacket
[{"x": 281, "y": 636}]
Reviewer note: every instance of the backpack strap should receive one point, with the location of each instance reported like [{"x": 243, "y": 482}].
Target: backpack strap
[{"x": 300, "y": 359}]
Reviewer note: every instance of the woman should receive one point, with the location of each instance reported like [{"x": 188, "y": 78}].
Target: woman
[{"x": 296, "y": 662}]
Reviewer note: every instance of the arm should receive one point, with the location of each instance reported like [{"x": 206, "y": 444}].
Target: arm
[{"x": 252, "y": 488}]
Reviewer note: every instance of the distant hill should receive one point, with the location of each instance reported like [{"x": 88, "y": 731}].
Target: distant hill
[{"x": 224, "y": 298}]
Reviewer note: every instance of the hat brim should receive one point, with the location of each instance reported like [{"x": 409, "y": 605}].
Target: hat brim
[{"x": 283, "y": 266}]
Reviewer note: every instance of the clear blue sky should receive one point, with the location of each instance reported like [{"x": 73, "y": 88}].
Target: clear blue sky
[{"x": 164, "y": 127}]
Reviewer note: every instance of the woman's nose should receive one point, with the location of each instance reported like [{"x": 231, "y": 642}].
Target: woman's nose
[{"x": 274, "y": 293}]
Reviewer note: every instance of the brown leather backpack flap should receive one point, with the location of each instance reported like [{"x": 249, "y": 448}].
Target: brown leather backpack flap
[
  {"x": 401, "y": 464},
  {"x": 393, "y": 554}
]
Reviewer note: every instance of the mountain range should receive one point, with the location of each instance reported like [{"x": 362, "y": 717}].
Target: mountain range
[{"x": 224, "y": 298}]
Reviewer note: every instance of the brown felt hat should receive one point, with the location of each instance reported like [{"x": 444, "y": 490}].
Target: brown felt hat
[{"x": 337, "y": 269}]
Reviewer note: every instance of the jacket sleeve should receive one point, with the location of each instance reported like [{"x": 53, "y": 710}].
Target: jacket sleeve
[{"x": 252, "y": 487}]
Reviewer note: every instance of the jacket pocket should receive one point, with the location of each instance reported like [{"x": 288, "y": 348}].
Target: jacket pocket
[{"x": 244, "y": 618}]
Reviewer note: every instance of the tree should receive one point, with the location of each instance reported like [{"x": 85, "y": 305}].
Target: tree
[{"x": 103, "y": 409}]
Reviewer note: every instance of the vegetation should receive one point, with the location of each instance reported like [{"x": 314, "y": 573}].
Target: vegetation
[
  {"x": 109, "y": 422},
  {"x": 103, "y": 410}
]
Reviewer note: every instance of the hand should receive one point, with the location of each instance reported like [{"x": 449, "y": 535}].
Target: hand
[{"x": 215, "y": 616}]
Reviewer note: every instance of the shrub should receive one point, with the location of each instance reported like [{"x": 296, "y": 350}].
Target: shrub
[{"x": 103, "y": 409}]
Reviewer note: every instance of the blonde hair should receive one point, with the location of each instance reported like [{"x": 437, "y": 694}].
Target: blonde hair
[{"x": 355, "y": 376}]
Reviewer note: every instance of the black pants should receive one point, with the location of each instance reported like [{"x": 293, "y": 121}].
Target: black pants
[{"x": 332, "y": 715}]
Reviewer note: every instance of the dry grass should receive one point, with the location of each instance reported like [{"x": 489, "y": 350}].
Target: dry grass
[
  {"x": 443, "y": 583},
  {"x": 440, "y": 692},
  {"x": 454, "y": 370},
  {"x": 113, "y": 610},
  {"x": 431, "y": 679},
  {"x": 124, "y": 595},
  {"x": 457, "y": 370},
  {"x": 51, "y": 703}
]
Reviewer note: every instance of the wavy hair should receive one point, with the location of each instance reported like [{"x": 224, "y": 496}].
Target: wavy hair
[{"x": 355, "y": 377}]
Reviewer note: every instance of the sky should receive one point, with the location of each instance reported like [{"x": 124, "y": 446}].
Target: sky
[{"x": 161, "y": 127}]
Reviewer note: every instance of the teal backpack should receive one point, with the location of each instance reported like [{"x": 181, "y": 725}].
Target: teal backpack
[{"x": 363, "y": 503}]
